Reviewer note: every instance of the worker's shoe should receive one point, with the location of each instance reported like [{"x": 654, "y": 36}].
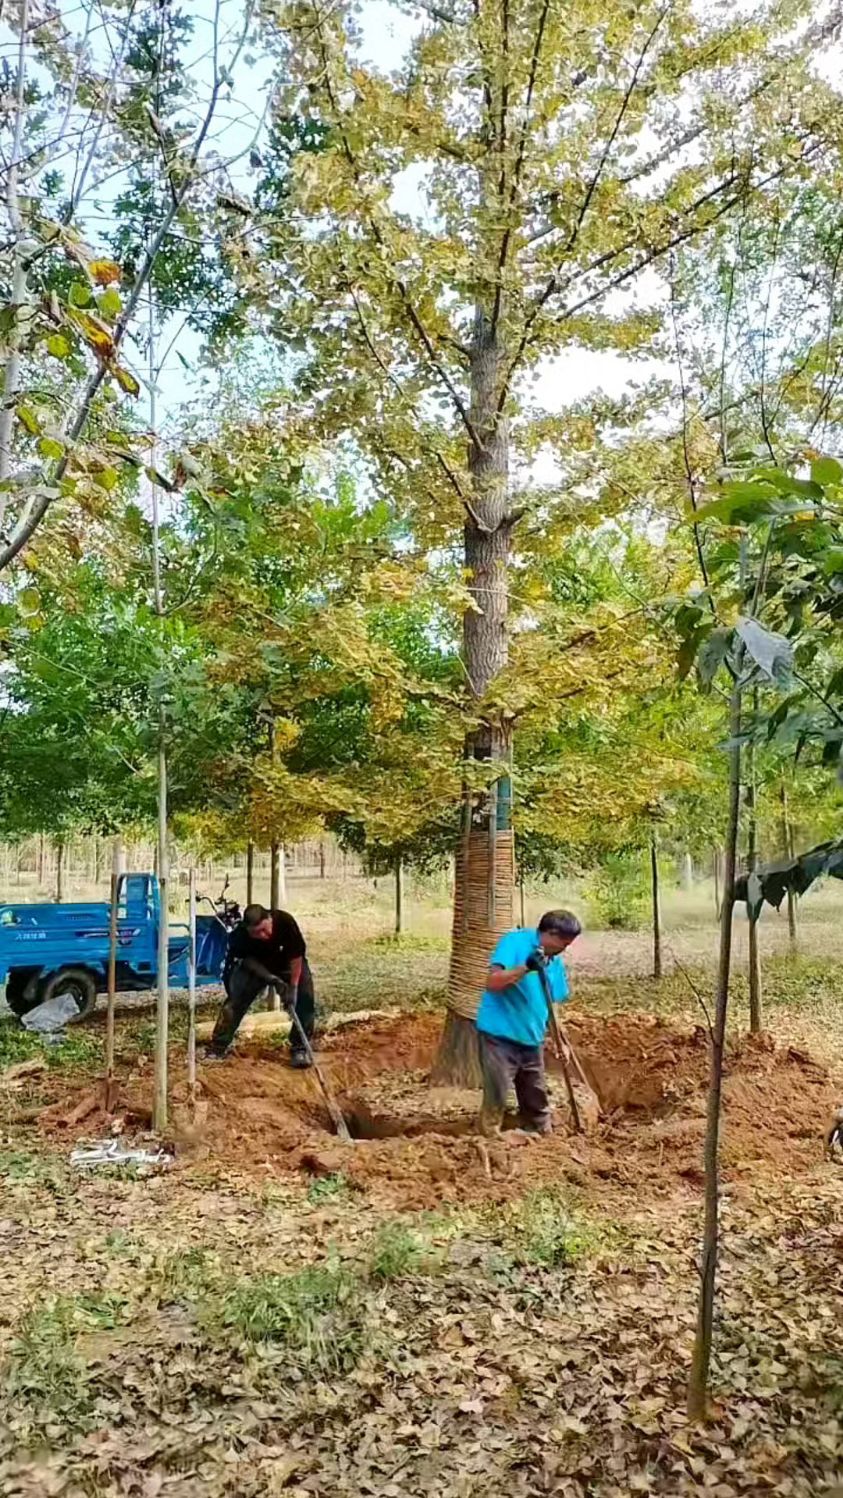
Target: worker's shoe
[
  {"x": 209, "y": 1054},
  {"x": 300, "y": 1060}
]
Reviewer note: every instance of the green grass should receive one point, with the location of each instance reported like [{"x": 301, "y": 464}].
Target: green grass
[
  {"x": 542, "y": 1230},
  {"x": 78, "y": 1050},
  {"x": 46, "y": 1376},
  {"x": 335, "y": 1187},
  {"x": 317, "y": 1314},
  {"x": 398, "y": 1250}
]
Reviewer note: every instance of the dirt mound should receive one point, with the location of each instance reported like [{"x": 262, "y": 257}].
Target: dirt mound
[{"x": 417, "y": 1145}]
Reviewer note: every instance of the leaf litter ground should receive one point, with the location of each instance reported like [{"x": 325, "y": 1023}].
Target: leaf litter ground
[{"x": 414, "y": 1314}]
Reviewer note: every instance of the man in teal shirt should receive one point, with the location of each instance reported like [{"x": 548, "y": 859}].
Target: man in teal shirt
[{"x": 512, "y": 1019}]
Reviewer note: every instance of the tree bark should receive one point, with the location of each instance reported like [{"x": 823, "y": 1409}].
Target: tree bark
[
  {"x": 787, "y": 850},
  {"x": 274, "y": 880},
  {"x": 117, "y": 868},
  {"x": 250, "y": 874},
  {"x": 657, "y": 908},
  {"x": 322, "y": 860},
  {"x": 755, "y": 1016},
  {"x": 486, "y": 855},
  {"x": 698, "y": 1381},
  {"x": 282, "y": 876},
  {"x": 59, "y": 870},
  {"x": 717, "y": 873}
]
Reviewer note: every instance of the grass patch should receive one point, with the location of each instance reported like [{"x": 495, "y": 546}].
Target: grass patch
[
  {"x": 542, "y": 1230},
  {"x": 336, "y": 1187},
  {"x": 316, "y": 1314},
  {"x": 46, "y": 1374},
  {"x": 409, "y": 942},
  {"x": 78, "y": 1049},
  {"x": 398, "y": 1251}
]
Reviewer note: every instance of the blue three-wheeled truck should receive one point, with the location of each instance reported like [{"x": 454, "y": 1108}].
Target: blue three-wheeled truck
[{"x": 49, "y": 950}]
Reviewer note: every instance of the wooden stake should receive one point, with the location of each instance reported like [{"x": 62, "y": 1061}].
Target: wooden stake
[
  {"x": 657, "y": 911},
  {"x": 117, "y": 863},
  {"x": 399, "y": 896}
]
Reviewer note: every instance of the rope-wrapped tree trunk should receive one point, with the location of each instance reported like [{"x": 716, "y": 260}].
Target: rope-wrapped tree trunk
[{"x": 484, "y": 886}]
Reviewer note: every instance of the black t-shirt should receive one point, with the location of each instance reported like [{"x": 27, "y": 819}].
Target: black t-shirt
[{"x": 276, "y": 952}]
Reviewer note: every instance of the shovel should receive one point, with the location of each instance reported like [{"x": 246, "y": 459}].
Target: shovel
[
  {"x": 565, "y": 1053},
  {"x": 333, "y": 1106}
]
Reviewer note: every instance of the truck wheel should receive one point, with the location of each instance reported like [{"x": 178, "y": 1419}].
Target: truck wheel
[
  {"x": 22, "y": 990},
  {"x": 77, "y": 983}
]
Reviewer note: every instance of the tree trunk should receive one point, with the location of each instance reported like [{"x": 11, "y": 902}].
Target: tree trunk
[
  {"x": 59, "y": 870},
  {"x": 717, "y": 874},
  {"x": 485, "y": 868},
  {"x": 521, "y": 902},
  {"x": 282, "y": 876},
  {"x": 686, "y": 873},
  {"x": 787, "y": 850},
  {"x": 399, "y": 897},
  {"x": 42, "y": 860},
  {"x": 250, "y": 874},
  {"x": 322, "y": 860},
  {"x": 755, "y": 1020},
  {"x": 657, "y": 907},
  {"x": 698, "y": 1381},
  {"x": 274, "y": 880}
]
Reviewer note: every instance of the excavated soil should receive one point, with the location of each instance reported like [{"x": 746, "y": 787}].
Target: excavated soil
[{"x": 416, "y": 1146}]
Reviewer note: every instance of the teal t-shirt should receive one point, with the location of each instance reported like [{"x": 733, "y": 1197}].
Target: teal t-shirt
[{"x": 519, "y": 1012}]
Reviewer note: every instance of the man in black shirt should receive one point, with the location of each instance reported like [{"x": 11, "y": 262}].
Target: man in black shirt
[{"x": 266, "y": 950}]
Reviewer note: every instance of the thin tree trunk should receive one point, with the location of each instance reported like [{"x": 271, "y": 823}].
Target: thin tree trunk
[
  {"x": 657, "y": 909},
  {"x": 521, "y": 901},
  {"x": 282, "y": 876},
  {"x": 717, "y": 892},
  {"x": 59, "y": 870},
  {"x": 686, "y": 873},
  {"x": 250, "y": 874},
  {"x": 42, "y": 860},
  {"x": 698, "y": 1381},
  {"x": 399, "y": 896},
  {"x": 117, "y": 862},
  {"x": 162, "y": 1007},
  {"x": 787, "y": 849},
  {"x": 274, "y": 901},
  {"x": 755, "y": 1017},
  {"x": 191, "y": 989},
  {"x": 20, "y": 297},
  {"x": 322, "y": 860}
]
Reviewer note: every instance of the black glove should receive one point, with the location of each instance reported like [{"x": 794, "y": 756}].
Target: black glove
[
  {"x": 287, "y": 995},
  {"x": 536, "y": 962}
]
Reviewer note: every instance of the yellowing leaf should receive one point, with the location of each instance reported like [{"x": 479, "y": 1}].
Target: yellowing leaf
[
  {"x": 125, "y": 379},
  {"x": 104, "y": 272}
]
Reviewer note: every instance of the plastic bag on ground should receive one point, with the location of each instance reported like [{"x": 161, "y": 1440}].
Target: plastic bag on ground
[{"x": 52, "y": 1015}]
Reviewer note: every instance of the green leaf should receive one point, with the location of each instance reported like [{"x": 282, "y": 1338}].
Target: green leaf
[
  {"x": 106, "y": 478},
  {"x": 713, "y": 653},
  {"x": 27, "y": 418},
  {"x": 110, "y": 303},
  {"x": 826, "y": 471},
  {"x": 80, "y": 295},
  {"x": 58, "y": 346},
  {"x": 29, "y": 601},
  {"x": 48, "y": 447}
]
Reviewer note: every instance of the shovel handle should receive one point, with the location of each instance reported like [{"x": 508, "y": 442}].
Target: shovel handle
[
  {"x": 560, "y": 1051},
  {"x": 333, "y": 1107}
]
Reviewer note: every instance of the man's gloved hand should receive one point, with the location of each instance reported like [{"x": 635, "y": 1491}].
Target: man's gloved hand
[
  {"x": 287, "y": 995},
  {"x": 536, "y": 962}
]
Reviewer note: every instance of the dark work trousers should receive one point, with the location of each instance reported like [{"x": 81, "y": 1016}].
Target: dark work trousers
[
  {"x": 507, "y": 1064},
  {"x": 242, "y": 987}
]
